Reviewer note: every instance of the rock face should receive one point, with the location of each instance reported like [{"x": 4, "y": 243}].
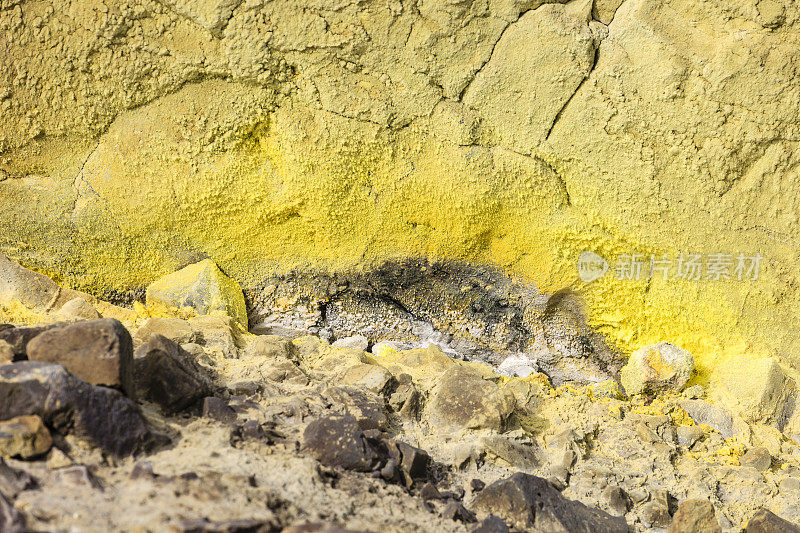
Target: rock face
[
  {"x": 655, "y": 368},
  {"x": 67, "y": 404},
  {"x": 530, "y": 502},
  {"x": 515, "y": 133},
  {"x": 202, "y": 287},
  {"x": 99, "y": 352}
]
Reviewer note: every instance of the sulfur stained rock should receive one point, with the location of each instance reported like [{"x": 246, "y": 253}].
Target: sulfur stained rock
[
  {"x": 757, "y": 390},
  {"x": 25, "y": 437},
  {"x": 371, "y": 377},
  {"x": 175, "y": 329},
  {"x": 99, "y": 352},
  {"x": 80, "y": 309},
  {"x": 656, "y": 368},
  {"x": 531, "y": 503},
  {"x": 464, "y": 400},
  {"x": 202, "y": 287}
]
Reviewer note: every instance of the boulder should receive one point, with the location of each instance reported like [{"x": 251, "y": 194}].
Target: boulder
[
  {"x": 99, "y": 352},
  {"x": 18, "y": 338},
  {"x": 655, "y": 368},
  {"x": 78, "y": 309},
  {"x": 104, "y": 416},
  {"x": 25, "y": 437},
  {"x": 464, "y": 400},
  {"x": 532, "y": 503},
  {"x": 765, "y": 521},
  {"x": 169, "y": 376},
  {"x": 202, "y": 287},
  {"x": 338, "y": 441},
  {"x": 695, "y": 516},
  {"x": 757, "y": 390}
]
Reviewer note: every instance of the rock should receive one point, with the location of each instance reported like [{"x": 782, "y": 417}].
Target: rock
[
  {"x": 202, "y": 287},
  {"x": 430, "y": 492},
  {"x": 523, "y": 456},
  {"x": 13, "y": 481},
  {"x": 695, "y": 516},
  {"x": 77, "y": 476},
  {"x": 368, "y": 409},
  {"x": 371, "y": 377},
  {"x": 517, "y": 365},
  {"x": 24, "y": 437},
  {"x": 655, "y": 368},
  {"x": 616, "y": 500},
  {"x": 338, "y": 441},
  {"x": 477, "y": 485},
  {"x": 606, "y": 389},
  {"x": 491, "y": 524},
  {"x": 217, "y": 334},
  {"x": 6, "y": 353},
  {"x": 78, "y": 308},
  {"x": 57, "y": 459},
  {"x": 464, "y": 400},
  {"x": 99, "y": 352},
  {"x": 530, "y": 502},
  {"x": 356, "y": 342},
  {"x": 655, "y": 513},
  {"x": 68, "y": 405},
  {"x": 175, "y": 329},
  {"x": 218, "y": 409},
  {"x": 765, "y": 521},
  {"x": 413, "y": 464},
  {"x": 757, "y": 389},
  {"x": 201, "y": 525},
  {"x": 270, "y": 347},
  {"x": 168, "y": 376},
  {"x": 456, "y": 511},
  {"x": 688, "y": 435},
  {"x": 11, "y": 520},
  {"x": 18, "y": 338},
  {"x": 714, "y": 416},
  {"x": 789, "y": 485},
  {"x": 757, "y": 457}
]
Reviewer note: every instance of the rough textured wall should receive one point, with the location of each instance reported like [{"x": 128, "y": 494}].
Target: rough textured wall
[{"x": 137, "y": 137}]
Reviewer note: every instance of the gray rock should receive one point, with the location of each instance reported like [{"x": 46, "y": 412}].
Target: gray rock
[
  {"x": 530, "y": 502},
  {"x": 99, "y": 352},
  {"x": 68, "y": 405},
  {"x": 765, "y": 521},
  {"x": 491, "y": 524},
  {"x": 464, "y": 400},
  {"x": 338, "y": 441},
  {"x": 695, "y": 516},
  {"x": 18, "y": 338},
  {"x": 356, "y": 342},
  {"x": 758, "y": 457},
  {"x": 218, "y": 409},
  {"x": 656, "y": 513},
  {"x": 688, "y": 435},
  {"x": 616, "y": 500},
  {"x": 703, "y": 412}
]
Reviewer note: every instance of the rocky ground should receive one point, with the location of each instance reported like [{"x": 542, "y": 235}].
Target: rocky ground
[{"x": 176, "y": 418}]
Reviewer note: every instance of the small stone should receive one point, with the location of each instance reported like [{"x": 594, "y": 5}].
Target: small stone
[
  {"x": 789, "y": 485},
  {"x": 606, "y": 389},
  {"x": 168, "y": 376},
  {"x": 695, "y": 516},
  {"x": 655, "y": 368},
  {"x": 695, "y": 392},
  {"x": 25, "y": 437},
  {"x": 78, "y": 308},
  {"x": 371, "y": 377},
  {"x": 456, "y": 511},
  {"x": 414, "y": 463},
  {"x": 143, "y": 469},
  {"x": 616, "y": 500},
  {"x": 491, "y": 524},
  {"x": 656, "y": 512},
  {"x": 529, "y": 502},
  {"x": 202, "y": 287},
  {"x": 477, "y": 485},
  {"x": 356, "y": 342},
  {"x": 218, "y": 409},
  {"x": 68, "y": 405},
  {"x": 765, "y": 521},
  {"x": 11, "y": 520},
  {"x": 430, "y": 492},
  {"x": 758, "y": 457},
  {"x": 338, "y": 441},
  {"x": 99, "y": 352},
  {"x": 77, "y": 476},
  {"x": 57, "y": 459}
]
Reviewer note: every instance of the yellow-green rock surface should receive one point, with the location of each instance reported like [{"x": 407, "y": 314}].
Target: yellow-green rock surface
[{"x": 140, "y": 137}]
